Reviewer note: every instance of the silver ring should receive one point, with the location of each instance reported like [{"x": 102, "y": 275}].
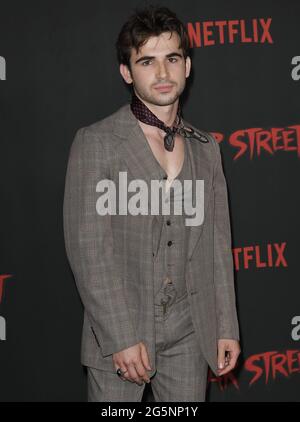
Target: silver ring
[{"x": 120, "y": 373}]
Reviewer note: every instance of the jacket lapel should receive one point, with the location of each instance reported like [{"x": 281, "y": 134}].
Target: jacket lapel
[
  {"x": 201, "y": 163},
  {"x": 134, "y": 149}
]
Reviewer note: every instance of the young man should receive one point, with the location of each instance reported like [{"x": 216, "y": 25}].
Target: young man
[{"x": 158, "y": 293}]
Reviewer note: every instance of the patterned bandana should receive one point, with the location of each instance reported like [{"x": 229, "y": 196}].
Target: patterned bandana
[{"x": 142, "y": 113}]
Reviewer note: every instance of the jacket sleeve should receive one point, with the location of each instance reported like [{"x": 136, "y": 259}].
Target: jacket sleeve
[
  {"x": 227, "y": 321},
  {"x": 89, "y": 246}
]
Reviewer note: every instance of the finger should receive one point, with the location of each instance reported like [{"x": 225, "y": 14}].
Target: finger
[
  {"x": 141, "y": 371},
  {"x": 232, "y": 357},
  {"x": 229, "y": 365},
  {"x": 228, "y": 358},
  {"x": 226, "y": 370},
  {"x": 221, "y": 357},
  {"x": 123, "y": 378},
  {"x": 145, "y": 357},
  {"x": 124, "y": 372},
  {"x": 233, "y": 360},
  {"x": 235, "y": 354},
  {"x": 133, "y": 374}
]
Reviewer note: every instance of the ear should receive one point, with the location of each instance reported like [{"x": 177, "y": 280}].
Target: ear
[
  {"x": 188, "y": 65},
  {"x": 126, "y": 74}
]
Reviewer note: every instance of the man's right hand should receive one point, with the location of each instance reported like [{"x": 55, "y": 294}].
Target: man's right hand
[{"x": 135, "y": 361}]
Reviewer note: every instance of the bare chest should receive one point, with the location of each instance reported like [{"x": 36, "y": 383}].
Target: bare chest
[{"x": 170, "y": 161}]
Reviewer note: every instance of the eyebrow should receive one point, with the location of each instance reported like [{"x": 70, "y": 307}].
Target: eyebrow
[{"x": 153, "y": 57}]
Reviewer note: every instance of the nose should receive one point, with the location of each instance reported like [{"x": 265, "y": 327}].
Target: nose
[{"x": 162, "y": 71}]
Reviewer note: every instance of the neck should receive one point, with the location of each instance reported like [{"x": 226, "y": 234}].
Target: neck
[{"x": 166, "y": 114}]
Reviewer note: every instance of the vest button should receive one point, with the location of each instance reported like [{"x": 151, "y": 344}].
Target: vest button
[
  {"x": 170, "y": 243},
  {"x": 168, "y": 222}
]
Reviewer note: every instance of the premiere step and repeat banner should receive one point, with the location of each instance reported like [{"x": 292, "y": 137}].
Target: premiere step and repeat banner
[{"x": 59, "y": 72}]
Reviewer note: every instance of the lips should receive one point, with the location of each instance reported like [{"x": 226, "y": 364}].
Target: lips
[{"x": 163, "y": 88}]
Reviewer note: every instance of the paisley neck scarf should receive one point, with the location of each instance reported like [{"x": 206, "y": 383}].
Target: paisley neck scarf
[{"x": 142, "y": 113}]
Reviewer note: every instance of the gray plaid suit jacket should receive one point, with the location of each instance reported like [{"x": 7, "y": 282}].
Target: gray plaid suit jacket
[{"x": 112, "y": 256}]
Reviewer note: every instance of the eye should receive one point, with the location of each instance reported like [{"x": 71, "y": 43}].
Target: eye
[
  {"x": 173, "y": 59},
  {"x": 146, "y": 62}
]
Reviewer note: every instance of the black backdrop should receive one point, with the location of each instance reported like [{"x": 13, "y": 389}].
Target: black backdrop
[{"x": 59, "y": 72}]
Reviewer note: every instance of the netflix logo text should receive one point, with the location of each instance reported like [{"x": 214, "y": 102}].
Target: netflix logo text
[
  {"x": 233, "y": 31},
  {"x": 257, "y": 256}
]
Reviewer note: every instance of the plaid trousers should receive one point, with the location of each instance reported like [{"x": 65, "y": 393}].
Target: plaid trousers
[{"x": 181, "y": 373}]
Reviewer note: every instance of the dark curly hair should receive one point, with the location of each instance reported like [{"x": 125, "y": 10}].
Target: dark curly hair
[{"x": 145, "y": 23}]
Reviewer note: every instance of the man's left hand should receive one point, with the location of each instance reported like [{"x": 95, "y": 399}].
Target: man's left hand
[{"x": 228, "y": 352}]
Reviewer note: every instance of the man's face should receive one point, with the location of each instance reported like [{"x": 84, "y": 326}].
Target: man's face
[{"x": 158, "y": 71}]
